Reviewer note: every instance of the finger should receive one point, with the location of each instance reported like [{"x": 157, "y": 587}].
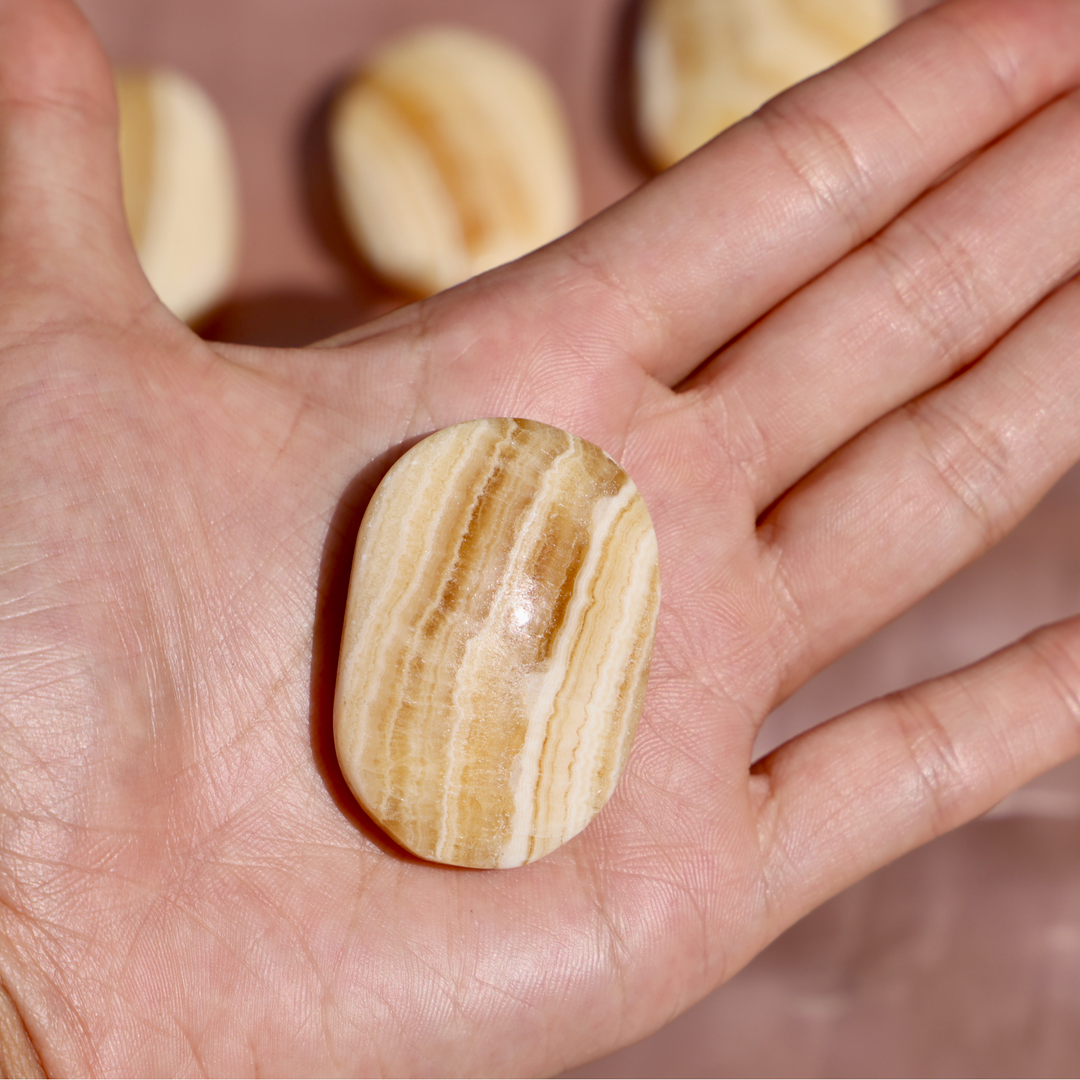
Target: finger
[
  {"x": 852, "y": 795},
  {"x": 905, "y": 311},
  {"x": 708, "y": 247},
  {"x": 62, "y": 230},
  {"x": 926, "y": 490},
  {"x": 663, "y": 278}
]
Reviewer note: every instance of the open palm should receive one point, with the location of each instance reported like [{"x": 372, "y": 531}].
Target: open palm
[{"x": 837, "y": 368}]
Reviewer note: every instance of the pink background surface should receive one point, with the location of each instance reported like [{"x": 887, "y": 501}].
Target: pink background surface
[{"x": 962, "y": 958}]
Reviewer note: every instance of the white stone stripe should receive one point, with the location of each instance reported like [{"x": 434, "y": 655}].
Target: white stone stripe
[
  {"x": 532, "y": 528},
  {"x": 635, "y": 597},
  {"x": 479, "y": 447},
  {"x": 543, "y": 701},
  {"x": 575, "y": 708},
  {"x": 393, "y": 520}
]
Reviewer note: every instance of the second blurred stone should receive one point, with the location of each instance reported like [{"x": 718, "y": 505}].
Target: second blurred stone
[{"x": 451, "y": 156}]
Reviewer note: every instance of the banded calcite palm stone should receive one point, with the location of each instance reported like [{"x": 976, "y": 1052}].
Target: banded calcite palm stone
[{"x": 497, "y": 639}]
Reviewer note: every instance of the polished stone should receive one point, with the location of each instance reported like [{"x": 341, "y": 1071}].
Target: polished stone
[
  {"x": 497, "y": 640},
  {"x": 452, "y": 155}
]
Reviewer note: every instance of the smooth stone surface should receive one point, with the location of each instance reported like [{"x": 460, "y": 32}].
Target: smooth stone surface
[
  {"x": 452, "y": 155},
  {"x": 497, "y": 640}
]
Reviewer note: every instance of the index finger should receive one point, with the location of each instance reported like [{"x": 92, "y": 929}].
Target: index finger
[{"x": 708, "y": 247}]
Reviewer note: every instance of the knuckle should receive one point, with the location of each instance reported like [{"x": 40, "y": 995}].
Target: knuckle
[
  {"x": 971, "y": 461},
  {"x": 1060, "y": 665},
  {"x": 938, "y": 767},
  {"x": 935, "y": 282},
  {"x": 823, "y": 160}
]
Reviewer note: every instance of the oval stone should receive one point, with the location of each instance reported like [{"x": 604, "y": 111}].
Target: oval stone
[{"x": 497, "y": 638}]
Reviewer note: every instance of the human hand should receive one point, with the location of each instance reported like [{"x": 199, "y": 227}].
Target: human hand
[{"x": 186, "y": 884}]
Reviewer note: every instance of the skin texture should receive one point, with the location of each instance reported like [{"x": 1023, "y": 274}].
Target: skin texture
[{"x": 837, "y": 352}]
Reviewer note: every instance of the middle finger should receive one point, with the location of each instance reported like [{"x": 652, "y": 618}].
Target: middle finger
[{"x": 905, "y": 311}]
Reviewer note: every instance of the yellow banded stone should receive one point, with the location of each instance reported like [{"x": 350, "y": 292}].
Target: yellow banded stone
[{"x": 497, "y": 639}]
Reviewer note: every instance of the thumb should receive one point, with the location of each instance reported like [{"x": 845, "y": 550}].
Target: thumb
[{"x": 64, "y": 244}]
